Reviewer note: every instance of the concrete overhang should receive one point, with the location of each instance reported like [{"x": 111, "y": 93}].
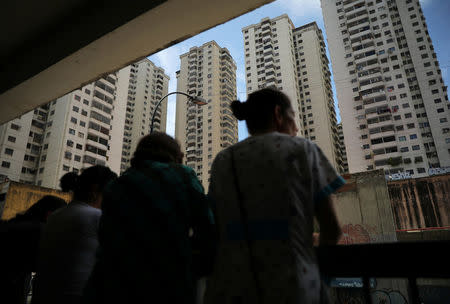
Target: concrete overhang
[{"x": 51, "y": 47}]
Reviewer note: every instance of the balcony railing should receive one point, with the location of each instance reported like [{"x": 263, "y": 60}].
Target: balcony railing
[{"x": 389, "y": 260}]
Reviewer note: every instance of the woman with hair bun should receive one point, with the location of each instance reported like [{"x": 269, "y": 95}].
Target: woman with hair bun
[{"x": 267, "y": 190}]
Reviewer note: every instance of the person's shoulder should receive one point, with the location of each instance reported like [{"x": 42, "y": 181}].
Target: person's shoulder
[{"x": 291, "y": 141}]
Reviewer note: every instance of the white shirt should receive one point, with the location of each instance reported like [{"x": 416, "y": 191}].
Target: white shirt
[
  {"x": 282, "y": 179},
  {"x": 67, "y": 252}
]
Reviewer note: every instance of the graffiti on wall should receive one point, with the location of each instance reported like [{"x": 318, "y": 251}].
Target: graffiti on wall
[
  {"x": 388, "y": 297},
  {"x": 357, "y": 234},
  {"x": 356, "y": 296}
]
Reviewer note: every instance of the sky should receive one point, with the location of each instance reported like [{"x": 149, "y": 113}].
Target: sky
[{"x": 301, "y": 12}]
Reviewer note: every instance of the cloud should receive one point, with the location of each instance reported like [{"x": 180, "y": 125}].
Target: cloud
[{"x": 301, "y": 8}]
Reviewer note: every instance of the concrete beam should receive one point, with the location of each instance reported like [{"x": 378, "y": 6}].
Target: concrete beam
[{"x": 168, "y": 23}]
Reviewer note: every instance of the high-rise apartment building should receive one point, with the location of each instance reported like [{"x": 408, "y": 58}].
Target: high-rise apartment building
[
  {"x": 100, "y": 123},
  {"x": 142, "y": 85},
  {"x": 79, "y": 130},
  {"x": 68, "y": 134},
  {"x": 20, "y": 145},
  {"x": 203, "y": 131},
  {"x": 392, "y": 99},
  {"x": 294, "y": 60}
]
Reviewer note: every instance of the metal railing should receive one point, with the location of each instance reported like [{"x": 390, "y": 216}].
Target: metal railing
[{"x": 410, "y": 260}]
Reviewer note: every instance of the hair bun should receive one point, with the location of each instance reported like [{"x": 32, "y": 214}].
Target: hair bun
[{"x": 239, "y": 109}]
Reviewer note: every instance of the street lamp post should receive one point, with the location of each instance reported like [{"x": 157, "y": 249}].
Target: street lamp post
[{"x": 194, "y": 99}]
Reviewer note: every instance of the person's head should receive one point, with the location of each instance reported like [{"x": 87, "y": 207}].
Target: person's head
[
  {"x": 265, "y": 111},
  {"x": 157, "y": 147},
  {"x": 68, "y": 182},
  {"x": 91, "y": 183},
  {"x": 41, "y": 209}
]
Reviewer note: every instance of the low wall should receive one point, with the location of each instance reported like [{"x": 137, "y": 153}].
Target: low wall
[
  {"x": 19, "y": 197},
  {"x": 364, "y": 210}
]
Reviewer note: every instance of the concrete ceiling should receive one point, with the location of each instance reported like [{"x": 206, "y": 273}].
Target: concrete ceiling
[{"x": 51, "y": 47}]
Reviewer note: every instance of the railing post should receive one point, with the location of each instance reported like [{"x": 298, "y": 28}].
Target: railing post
[
  {"x": 366, "y": 290},
  {"x": 412, "y": 283}
]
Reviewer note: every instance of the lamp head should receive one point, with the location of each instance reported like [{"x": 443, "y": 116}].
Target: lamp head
[{"x": 198, "y": 100}]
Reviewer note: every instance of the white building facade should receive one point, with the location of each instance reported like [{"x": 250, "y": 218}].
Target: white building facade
[
  {"x": 208, "y": 71},
  {"x": 392, "y": 99},
  {"x": 141, "y": 85},
  {"x": 294, "y": 61}
]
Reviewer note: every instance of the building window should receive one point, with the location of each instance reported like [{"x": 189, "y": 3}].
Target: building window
[
  {"x": 416, "y": 147},
  {"x": 66, "y": 168},
  {"x": 15, "y": 127},
  {"x": 6, "y": 164},
  {"x": 12, "y": 139},
  {"x": 9, "y": 151},
  {"x": 77, "y": 98},
  {"x": 67, "y": 155}
]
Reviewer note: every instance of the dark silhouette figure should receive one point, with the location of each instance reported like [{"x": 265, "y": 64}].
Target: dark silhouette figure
[
  {"x": 20, "y": 245},
  {"x": 68, "y": 182},
  {"x": 156, "y": 232},
  {"x": 69, "y": 241},
  {"x": 267, "y": 190}
]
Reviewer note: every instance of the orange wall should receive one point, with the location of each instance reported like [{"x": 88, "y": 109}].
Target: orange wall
[{"x": 20, "y": 197}]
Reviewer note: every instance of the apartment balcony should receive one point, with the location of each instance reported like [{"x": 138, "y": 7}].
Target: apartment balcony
[
  {"x": 357, "y": 41},
  {"x": 102, "y": 88},
  {"x": 351, "y": 3},
  {"x": 370, "y": 115},
  {"x": 356, "y": 23},
  {"x": 265, "y": 30},
  {"x": 376, "y": 83},
  {"x": 382, "y": 134},
  {"x": 98, "y": 96},
  {"x": 361, "y": 33},
  {"x": 373, "y": 95},
  {"x": 364, "y": 59},
  {"x": 357, "y": 10},
  {"x": 383, "y": 145},
  {"x": 369, "y": 76}
]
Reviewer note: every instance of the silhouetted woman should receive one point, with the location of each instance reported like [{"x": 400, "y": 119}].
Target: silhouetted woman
[
  {"x": 267, "y": 190},
  {"x": 69, "y": 242},
  {"x": 156, "y": 232},
  {"x": 20, "y": 238}
]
